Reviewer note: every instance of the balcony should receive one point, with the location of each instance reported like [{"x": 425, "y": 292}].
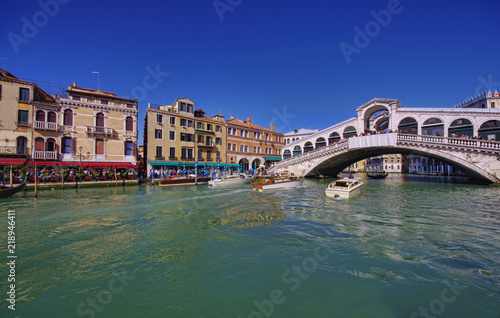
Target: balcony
[
  {"x": 67, "y": 128},
  {"x": 45, "y": 125},
  {"x": 45, "y": 155},
  {"x": 13, "y": 150},
  {"x": 100, "y": 131}
]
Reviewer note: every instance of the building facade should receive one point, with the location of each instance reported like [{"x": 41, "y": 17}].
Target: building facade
[
  {"x": 178, "y": 139},
  {"x": 297, "y": 134},
  {"x": 250, "y": 146},
  {"x": 98, "y": 128}
]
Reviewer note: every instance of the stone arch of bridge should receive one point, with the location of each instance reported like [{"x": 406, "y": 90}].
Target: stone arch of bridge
[
  {"x": 369, "y": 112},
  {"x": 335, "y": 163}
]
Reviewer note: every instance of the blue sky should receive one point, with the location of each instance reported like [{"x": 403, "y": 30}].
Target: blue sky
[{"x": 271, "y": 60}]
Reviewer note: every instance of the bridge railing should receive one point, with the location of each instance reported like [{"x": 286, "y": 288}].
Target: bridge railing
[{"x": 466, "y": 142}]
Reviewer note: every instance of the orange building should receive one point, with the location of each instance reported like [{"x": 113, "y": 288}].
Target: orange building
[{"x": 250, "y": 146}]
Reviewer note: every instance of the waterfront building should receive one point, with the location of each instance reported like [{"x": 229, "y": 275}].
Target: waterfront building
[
  {"x": 424, "y": 165},
  {"x": 297, "y": 134},
  {"x": 250, "y": 146},
  {"x": 178, "y": 139},
  {"x": 98, "y": 128},
  {"x": 28, "y": 125}
]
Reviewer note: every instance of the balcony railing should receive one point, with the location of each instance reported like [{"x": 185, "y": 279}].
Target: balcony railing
[
  {"x": 45, "y": 125},
  {"x": 96, "y": 130},
  {"x": 44, "y": 154},
  {"x": 13, "y": 150}
]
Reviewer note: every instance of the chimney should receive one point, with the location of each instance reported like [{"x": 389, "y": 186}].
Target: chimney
[
  {"x": 74, "y": 84},
  {"x": 232, "y": 117},
  {"x": 309, "y": 127},
  {"x": 249, "y": 121},
  {"x": 272, "y": 126}
]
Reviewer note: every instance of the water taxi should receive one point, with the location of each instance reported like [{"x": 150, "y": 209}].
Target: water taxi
[
  {"x": 377, "y": 174},
  {"x": 183, "y": 180},
  {"x": 230, "y": 180},
  {"x": 272, "y": 183},
  {"x": 344, "y": 188}
]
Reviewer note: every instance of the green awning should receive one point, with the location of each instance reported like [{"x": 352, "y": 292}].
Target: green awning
[
  {"x": 232, "y": 165},
  {"x": 164, "y": 163},
  {"x": 205, "y": 132},
  {"x": 272, "y": 159}
]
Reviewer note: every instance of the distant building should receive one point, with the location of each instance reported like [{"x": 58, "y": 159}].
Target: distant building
[
  {"x": 250, "y": 146},
  {"x": 98, "y": 128},
  {"x": 297, "y": 134},
  {"x": 483, "y": 100}
]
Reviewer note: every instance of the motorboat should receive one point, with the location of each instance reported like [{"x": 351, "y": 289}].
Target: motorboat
[
  {"x": 344, "y": 188},
  {"x": 6, "y": 192},
  {"x": 230, "y": 180},
  {"x": 183, "y": 180},
  {"x": 272, "y": 183}
]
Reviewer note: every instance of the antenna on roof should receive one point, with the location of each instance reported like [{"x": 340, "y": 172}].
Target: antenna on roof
[{"x": 4, "y": 61}]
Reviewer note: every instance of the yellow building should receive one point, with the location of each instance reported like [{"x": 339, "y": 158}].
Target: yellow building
[
  {"x": 177, "y": 139},
  {"x": 23, "y": 132},
  {"x": 250, "y": 146},
  {"x": 98, "y": 128}
]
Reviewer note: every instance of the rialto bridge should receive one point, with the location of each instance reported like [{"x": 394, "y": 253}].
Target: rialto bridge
[{"x": 383, "y": 126}]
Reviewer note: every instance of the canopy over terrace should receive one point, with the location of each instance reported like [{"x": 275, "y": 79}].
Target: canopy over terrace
[{"x": 12, "y": 162}]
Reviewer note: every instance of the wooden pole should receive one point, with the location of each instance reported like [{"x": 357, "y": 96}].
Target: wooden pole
[
  {"x": 116, "y": 179},
  {"x": 36, "y": 189},
  {"x": 11, "y": 176},
  {"x": 62, "y": 176}
]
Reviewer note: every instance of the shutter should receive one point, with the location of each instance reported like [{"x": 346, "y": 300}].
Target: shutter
[
  {"x": 73, "y": 145},
  {"x": 134, "y": 149}
]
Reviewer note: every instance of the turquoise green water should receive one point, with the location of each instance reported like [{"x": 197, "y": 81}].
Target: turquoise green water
[{"x": 402, "y": 248}]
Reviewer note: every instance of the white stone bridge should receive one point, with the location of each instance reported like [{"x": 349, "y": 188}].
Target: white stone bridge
[{"x": 429, "y": 132}]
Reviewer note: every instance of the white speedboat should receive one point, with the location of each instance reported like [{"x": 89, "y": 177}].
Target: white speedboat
[
  {"x": 344, "y": 188},
  {"x": 230, "y": 180},
  {"x": 273, "y": 183}
]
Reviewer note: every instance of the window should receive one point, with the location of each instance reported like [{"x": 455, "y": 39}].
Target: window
[
  {"x": 217, "y": 155},
  {"x": 22, "y": 146},
  {"x": 241, "y": 132},
  {"x": 199, "y": 125},
  {"x": 183, "y": 122},
  {"x": 172, "y": 120},
  {"x": 246, "y": 148},
  {"x": 129, "y": 124},
  {"x": 234, "y": 147},
  {"x": 104, "y": 102},
  {"x": 171, "y": 135},
  {"x": 492, "y": 103},
  {"x": 40, "y": 115},
  {"x": 159, "y": 118},
  {"x": 190, "y": 154},
  {"x": 187, "y": 137},
  {"x": 200, "y": 138},
  {"x": 66, "y": 145},
  {"x": 246, "y": 133},
  {"x": 183, "y": 153},
  {"x": 218, "y": 141},
  {"x": 229, "y": 129},
  {"x": 76, "y": 98},
  {"x": 183, "y": 107},
  {"x": 68, "y": 117},
  {"x": 254, "y": 149},
  {"x": 217, "y": 128},
  {"x": 24, "y": 94},
  {"x": 99, "y": 122},
  {"x": 241, "y": 148},
  {"x": 209, "y": 154},
  {"x": 190, "y": 108},
  {"x": 159, "y": 151},
  {"x": 172, "y": 152},
  {"x": 190, "y": 123},
  {"x": 229, "y": 146},
  {"x": 209, "y": 127},
  {"x": 99, "y": 147},
  {"x": 22, "y": 117},
  {"x": 209, "y": 141},
  {"x": 51, "y": 144},
  {"x": 39, "y": 144},
  {"x": 200, "y": 154},
  {"x": 129, "y": 148},
  {"x": 186, "y": 153},
  {"x": 158, "y": 133}
]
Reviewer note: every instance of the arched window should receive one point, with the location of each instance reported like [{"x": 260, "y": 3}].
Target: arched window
[
  {"x": 68, "y": 117},
  {"x": 40, "y": 115},
  {"x": 308, "y": 146},
  {"x": 333, "y": 138},
  {"x": 50, "y": 145},
  {"x": 297, "y": 150},
  {"x": 287, "y": 154},
  {"x": 22, "y": 145},
  {"x": 408, "y": 125},
  {"x": 39, "y": 144},
  {"x": 349, "y": 132},
  {"x": 433, "y": 127},
  {"x": 320, "y": 142},
  {"x": 99, "y": 122},
  {"x": 490, "y": 130},
  {"x": 461, "y": 127},
  {"x": 51, "y": 117},
  {"x": 129, "y": 124},
  {"x": 66, "y": 145}
]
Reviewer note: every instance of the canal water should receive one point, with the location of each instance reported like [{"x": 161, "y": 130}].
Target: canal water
[{"x": 404, "y": 247}]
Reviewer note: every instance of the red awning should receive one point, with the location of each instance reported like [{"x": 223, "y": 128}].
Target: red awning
[
  {"x": 12, "y": 162},
  {"x": 109, "y": 165},
  {"x": 44, "y": 163}
]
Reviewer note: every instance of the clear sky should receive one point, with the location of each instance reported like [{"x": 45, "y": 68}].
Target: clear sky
[{"x": 296, "y": 63}]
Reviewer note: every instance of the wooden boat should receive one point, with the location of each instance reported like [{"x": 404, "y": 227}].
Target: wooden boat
[
  {"x": 230, "y": 180},
  {"x": 273, "y": 183},
  {"x": 344, "y": 188},
  {"x": 377, "y": 174},
  {"x": 6, "y": 192},
  {"x": 183, "y": 180}
]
